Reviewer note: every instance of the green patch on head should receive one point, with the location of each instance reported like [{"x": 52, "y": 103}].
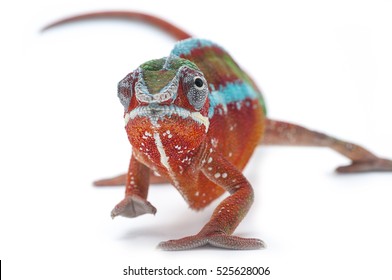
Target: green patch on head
[
  {"x": 167, "y": 63},
  {"x": 157, "y": 73},
  {"x": 157, "y": 80},
  {"x": 153, "y": 65}
]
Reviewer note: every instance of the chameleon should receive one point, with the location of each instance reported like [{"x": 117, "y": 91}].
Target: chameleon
[{"x": 186, "y": 117}]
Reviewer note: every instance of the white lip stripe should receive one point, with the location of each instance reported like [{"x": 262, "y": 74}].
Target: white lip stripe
[
  {"x": 196, "y": 116},
  {"x": 167, "y": 111},
  {"x": 126, "y": 118}
]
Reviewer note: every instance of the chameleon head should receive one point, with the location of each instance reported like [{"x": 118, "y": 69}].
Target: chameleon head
[{"x": 166, "y": 105}]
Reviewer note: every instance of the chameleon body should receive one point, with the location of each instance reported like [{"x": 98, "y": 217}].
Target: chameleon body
[{"x": 186, "y": 116}]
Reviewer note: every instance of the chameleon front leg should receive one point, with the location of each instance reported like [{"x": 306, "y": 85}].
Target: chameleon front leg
[
  {"x": 137, "y": 182},
  {"x": 229, "y": 213},
  {"x": 283, "y": 133},
  {"x": 121, "y": 180}
]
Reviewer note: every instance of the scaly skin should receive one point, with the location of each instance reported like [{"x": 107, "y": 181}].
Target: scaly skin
[{"x": 195, "y": 118}]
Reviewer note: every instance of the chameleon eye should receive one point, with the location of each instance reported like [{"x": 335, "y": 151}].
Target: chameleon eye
[
  {"x": 195, "y": 87},
  {"x": 199, "y": 83},
  {"x": 197, "y": 91}
]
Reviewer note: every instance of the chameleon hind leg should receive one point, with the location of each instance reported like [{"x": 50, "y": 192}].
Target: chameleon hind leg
[{"x": 362, "y": 160}]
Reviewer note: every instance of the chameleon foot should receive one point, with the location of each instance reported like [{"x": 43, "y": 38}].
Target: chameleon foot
[
  {"x": 216, "y": 240},
  {"x": 133, "y": 206},
  {"x": 378, "y": 164}
]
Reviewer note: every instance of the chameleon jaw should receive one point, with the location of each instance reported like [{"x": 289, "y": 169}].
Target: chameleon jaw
[{"x": 160, "y": 112}]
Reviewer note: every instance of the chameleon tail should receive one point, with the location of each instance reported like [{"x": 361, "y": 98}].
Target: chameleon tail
[{"x": 174, "y": 31}]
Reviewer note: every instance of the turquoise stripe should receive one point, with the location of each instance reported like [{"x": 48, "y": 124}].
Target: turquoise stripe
[
  {"x": 231, "y": 93},
  {"x": 186, "y": 46}
]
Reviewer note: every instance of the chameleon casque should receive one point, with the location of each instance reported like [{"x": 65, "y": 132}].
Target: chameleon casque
[{"x": 186, "y": 116}]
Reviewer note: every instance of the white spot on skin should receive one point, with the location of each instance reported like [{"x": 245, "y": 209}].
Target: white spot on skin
[
  {"x": 214, "y": 143},
  {"x": 209, "y": 160},
  {"x": 146, "y": 135},
  {"x": 230, "y": 154},
  {"x": 224, "y": 175},
  {"x": 217, "y": 175},
  {"x": 187, "y": 160},
  {"x": 209, "y": 168},
  {"x": 168, "y": 133},
  {"x": 197, "y": 193}
]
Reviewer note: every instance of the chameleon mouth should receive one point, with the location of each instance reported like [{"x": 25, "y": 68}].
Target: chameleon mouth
[{"x": 155, "y": 113}]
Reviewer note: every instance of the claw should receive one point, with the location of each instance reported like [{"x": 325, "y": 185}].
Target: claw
[
  {"x": 367, "y": 166},
  {"x": 216, "y": 240},
  {"x": 133, "y": 206}
]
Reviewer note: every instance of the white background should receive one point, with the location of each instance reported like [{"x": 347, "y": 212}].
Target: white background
[{"x": 323, "y": 64}]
